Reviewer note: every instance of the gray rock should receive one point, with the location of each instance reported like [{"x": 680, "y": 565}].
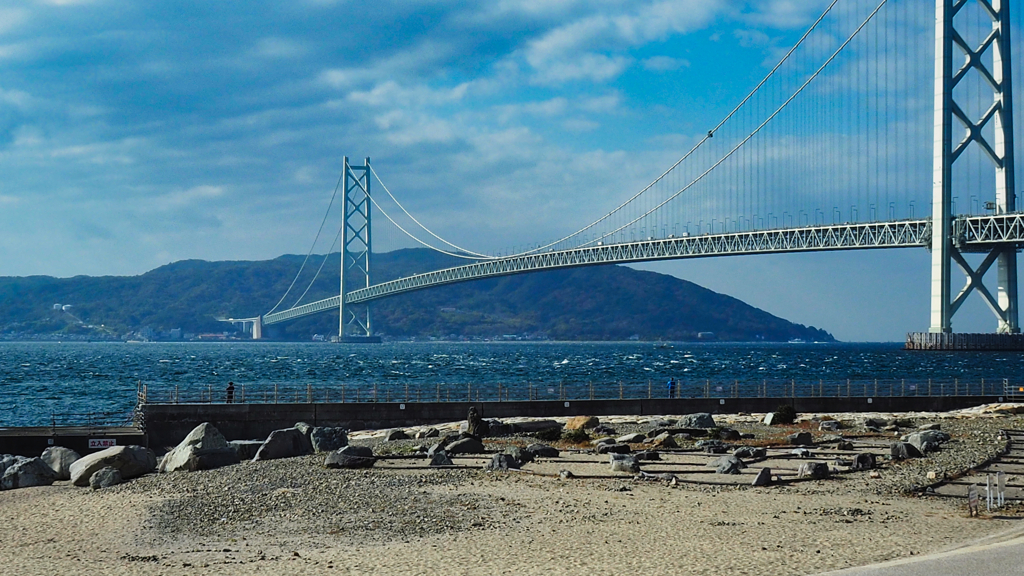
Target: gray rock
[
  {"x": 536, "y": 426},
  {"x": 930, "y": 426},
  {"x": 874, "y": 423},
  {"x": 815, "y": 470},
  {"x": 328, "y": 439},
  {"x": 105, "y": 478},
  {"x": 647, "y": 455},
  {"x": 27, "y": 472},
  {"x": 903, "y": 451},
  {"x": 497, "y": 428},
  {"x": 521, "y": 456},
  {"x": 304, "y": 428},
  {"x": 466, "y": 446},
  {"x": 502, "y": 462},
  {"x": 351, "y": 457},
  {"x": 442, "y": 444},
  {"x": 131, "y": 461},
  {"x": 542, "y": 451},
  {"x": 926, "y": 440},
  {"x": 829, "y": 425},
  {"x": 699, "y": 420},
  {"x": 565, "y": 475},
  {"x": 664, "y": 440},
  {"x": 763, "y": 478},
  {"x": 428, "y": 433},
  {"x": 864, "y": 461},
  {"x": 727, "y": 465},
  {"x": 769, "y": 419},
  {"x": 246, "y": 449},
  {"x": 631, "y": 438},
  {"x": 614, "y": 449},
  {"x": 749, "y": 452},
  {"x": 845, "y": 446},
  {"x": 204, "y": 448},
  {"x": 662, "y": 423},
  {"x": 286, "y": 443},
  {"x": 624, "y": 463},
  {"x": 59, "y": 459},
  {"x": 891, "y": 428},
  {"x": 476, "y": 425},
  {"x": 395, "y": 435},
  {"x": 441, "y": 458},
  {"x": 801, "y": 439},
  {"x": 599, "y": 441},
  {"x": 729, "y": 435},
  {"x": 604, "y": 430},
  {"x": 713, "y": 446},
  {"x": 802, "y": 452},
  {"x": 6, "y": 461}
]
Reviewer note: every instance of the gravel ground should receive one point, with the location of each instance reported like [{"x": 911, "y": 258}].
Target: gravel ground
[{"x": 291, "y": 497}]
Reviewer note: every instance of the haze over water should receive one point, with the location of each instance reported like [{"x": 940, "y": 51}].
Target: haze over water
[{"x": 41, "y": 379}]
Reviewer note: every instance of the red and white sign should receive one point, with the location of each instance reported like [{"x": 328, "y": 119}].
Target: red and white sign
[{"x": 101, "y": 443}]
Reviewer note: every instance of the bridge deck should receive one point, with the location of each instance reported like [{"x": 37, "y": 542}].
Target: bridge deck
[{"x": 973, "y": 231}]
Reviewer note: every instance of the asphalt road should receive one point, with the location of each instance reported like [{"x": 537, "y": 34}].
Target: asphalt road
[{"x": 992, "y": 558}]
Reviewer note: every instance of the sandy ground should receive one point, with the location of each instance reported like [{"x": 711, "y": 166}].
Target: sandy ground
[
  {"x": 543, "y": 526},
  {"x": 522, "y": 524}
]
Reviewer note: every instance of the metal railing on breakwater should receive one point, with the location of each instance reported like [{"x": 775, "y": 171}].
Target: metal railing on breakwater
[{"x": 1012, "y": 389}]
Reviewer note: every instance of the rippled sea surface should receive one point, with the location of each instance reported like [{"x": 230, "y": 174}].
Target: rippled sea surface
[{"x": 41, "y": 381}]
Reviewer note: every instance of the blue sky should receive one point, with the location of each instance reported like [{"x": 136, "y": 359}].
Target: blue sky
[{"x": 133, "y": 134}]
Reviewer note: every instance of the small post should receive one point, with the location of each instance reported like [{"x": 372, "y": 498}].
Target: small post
[
  {"x": 847, "y": 387},
  {"x": 309, "y": 393},
  {"x": 469, "y": 392},
  {"x": 211, "y": 393},
  {"x": 499, "y": 391},
  {"x": 956, "y": 386},
  {"x": 903, "y": 385},
  {"x": 929, "y": 386},
  {"x": 620, "y": 389},
  {"x": 374, "y": 391},
  {"x": 648, "y": 389},
  {"x": 275, "y": 393},
  {"x": 175, "y": 393},
  {"x": 327, "y": 396},
  {"x": 438, "y": 391},
  {"x": 591, "y": 390},
  {"x": 794, "y": 387},
  {"x": 942, "y": 388}
]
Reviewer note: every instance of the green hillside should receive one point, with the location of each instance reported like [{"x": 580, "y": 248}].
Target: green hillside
[{"x": 590, "y": 303}]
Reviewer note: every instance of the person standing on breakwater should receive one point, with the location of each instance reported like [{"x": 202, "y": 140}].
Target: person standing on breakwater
[
  {"x": 230, "y": 394},
  {"x": 671, "y": 387}
]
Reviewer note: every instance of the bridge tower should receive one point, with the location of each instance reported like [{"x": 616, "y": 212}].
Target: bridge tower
[
  {"x": 946, "y": 248},
  {"x": 355, "y": 251}
]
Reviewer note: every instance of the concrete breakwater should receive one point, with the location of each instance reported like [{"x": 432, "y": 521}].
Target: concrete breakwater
[{"x": 166, "y": 424}]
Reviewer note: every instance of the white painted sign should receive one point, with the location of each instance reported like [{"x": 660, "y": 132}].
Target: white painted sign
[
  {"x": 101, "y": 443},
  {"x": 972, "y": 499}
]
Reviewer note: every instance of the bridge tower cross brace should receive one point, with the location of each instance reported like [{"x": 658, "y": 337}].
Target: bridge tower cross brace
[
  {"x": 355, "y": 248},
  {"x": 945, "y": 245}
]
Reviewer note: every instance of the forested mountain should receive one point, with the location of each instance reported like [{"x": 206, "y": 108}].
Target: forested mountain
[{"x": 590, "y": 303}]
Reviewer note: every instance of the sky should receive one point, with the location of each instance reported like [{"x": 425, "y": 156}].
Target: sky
[{"x": 134, "y": 134}]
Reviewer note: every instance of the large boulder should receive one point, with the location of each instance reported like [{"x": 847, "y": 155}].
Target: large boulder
[
  {"x": 475, "y": 424},
  {"x": 246, "y": 449},
  {"x": 105, "y": 478},
  {"x": 815, "y": 470},
  {"x": 624, "y": 463},
  {"x": 614, "y": 449},
  {"x": 727, "y": 465},
  {"x": 926, "y": 440},
  {"x": 286, "y": 443},
  {"x": 522, "y": 456},
  {"x": 635, "y": 438},
  {"x": 26, "y": 472},
  {"x": 60, "y": 459},
  {"x": 441, "y": 458},
  {"x": 351, "y": 457},
  {"x": 498, "y": 428},
  {"x": 6, "y": 461},
  {"x": 542, "y": 451},
  {"x": 504, "y": 462},
  {"x": 903, "y": 451},
  {"x": 536, "y": 426},
  {"x": 395, "y": 435},
  {"x": 204, "y": 448},
  {"x": 664, "y": 440},
  {"x": 763, "y": 478},
  {"x": 466, "y": 446},
  {"x": 864, "y": 461},
  {"x": 131, "y": 461},
  {"x": 713, "y": 446},
  {"x": 801, "y": 439},
  {"x": 328, "y": 439},
  {"x": 582, "y": 422},
  {"x": 698, "y": 420}
]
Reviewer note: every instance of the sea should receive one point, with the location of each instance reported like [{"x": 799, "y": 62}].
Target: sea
[{"x": 54, "y": 383}]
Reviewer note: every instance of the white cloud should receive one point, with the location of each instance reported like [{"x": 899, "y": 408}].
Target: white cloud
[
  {"x": 580, "y": 125},
  {"x": 194, "y": 195},
  {"x": 593, "y": 67},
  {"x": 664, "y": 63}
]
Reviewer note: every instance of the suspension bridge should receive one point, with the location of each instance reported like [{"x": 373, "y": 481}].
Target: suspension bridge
[{"x": 834, "y": 149}]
